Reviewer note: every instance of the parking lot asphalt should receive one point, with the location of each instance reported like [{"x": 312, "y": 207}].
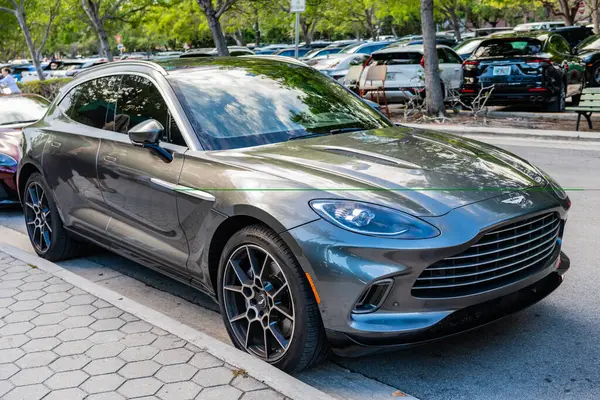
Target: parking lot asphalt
[{"x": 547, "y": 351}]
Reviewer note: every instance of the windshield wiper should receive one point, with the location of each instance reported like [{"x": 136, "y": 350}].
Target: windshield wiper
[
  {"x": 326, "y": 133},
  {"x": 17, "y": 122},
  {"x": 344, "y": 130},
  {"x": 310, "y": 135}
]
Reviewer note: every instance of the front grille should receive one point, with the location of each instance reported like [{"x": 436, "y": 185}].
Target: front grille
[{"x": 502, "y": 256}]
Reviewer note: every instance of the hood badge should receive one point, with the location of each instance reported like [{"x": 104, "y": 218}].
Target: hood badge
[{"x": 520, "y": 199}]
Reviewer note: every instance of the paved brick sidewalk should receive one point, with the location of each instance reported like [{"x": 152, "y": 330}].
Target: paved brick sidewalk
[{"x": 58, "y": 342}]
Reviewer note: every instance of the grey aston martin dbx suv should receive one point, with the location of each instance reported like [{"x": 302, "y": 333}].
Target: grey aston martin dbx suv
[{"x": 312, "y": 220}]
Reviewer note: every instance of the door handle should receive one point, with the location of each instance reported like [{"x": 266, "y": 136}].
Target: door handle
[
  {"x": 110, "y": 158},
  {"x": 56, "y": 144}
]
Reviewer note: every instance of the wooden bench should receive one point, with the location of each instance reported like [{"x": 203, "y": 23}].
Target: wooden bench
[{"x": 589, "y": 104}]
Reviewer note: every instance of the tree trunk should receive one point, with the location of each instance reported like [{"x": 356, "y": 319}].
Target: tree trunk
[
  {"x": 35, "y": 57},
  {"x": 433, "y": 84},
  {"x": 596, "y": 19},
  {"x": 92, "y": 12},
  {"x": 238, "y": 37},
  {"x": 394, "y": 31},
  {"x": 307, "y": 32},
  {"x": 455, "y": 25},
  {"x": 217, "y": 33},
  {"x": 257, "y": 33}
]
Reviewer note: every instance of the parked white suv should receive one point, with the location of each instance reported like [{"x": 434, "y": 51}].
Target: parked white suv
[{"x": 405, "y": 77}]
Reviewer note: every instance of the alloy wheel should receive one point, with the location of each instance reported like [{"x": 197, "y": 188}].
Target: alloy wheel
[
  {"x": 258, "y": 302},
  {"x": 37, "y": 217}
]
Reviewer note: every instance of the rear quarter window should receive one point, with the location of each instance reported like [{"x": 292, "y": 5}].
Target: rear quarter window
[{"x": 399, "y": 58}]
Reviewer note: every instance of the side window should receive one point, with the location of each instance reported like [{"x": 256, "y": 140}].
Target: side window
[
  {"x": 139, "y": 100},
  {"x": 560, "y": 44},
  {"x": 359, "y": 60},
  {"x": 93, "y": 103},
  {"x": 453, "y": 58},
  {"x": 442, "y": 56}
]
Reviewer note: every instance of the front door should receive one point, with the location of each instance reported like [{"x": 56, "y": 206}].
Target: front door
[
  {"x": 82, "y": 119},
  {"x": 137, "y": 184}
]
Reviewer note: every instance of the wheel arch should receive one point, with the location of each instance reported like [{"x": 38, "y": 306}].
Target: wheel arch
[
  {"x": 243, "y": 216},
  {"x": 25, "y": 171}
]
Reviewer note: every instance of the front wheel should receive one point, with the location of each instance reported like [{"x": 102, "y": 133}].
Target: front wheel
[
  {"x": 267, "y": 304},
  {"x": 44, "y": 226}
]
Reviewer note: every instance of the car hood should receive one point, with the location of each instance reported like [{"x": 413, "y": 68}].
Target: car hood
[{"x": 420, "y": 172}]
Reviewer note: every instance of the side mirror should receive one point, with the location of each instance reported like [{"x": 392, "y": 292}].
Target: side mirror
[
  {"x": 575, "y": 51},
  {"x": 147, "y": 132}
]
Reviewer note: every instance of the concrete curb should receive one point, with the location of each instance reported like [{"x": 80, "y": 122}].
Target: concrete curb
[
  {"x": 564, "y": 116},
  {"x": 510, "y": 132},
  {"x": 269, "y": 375}
]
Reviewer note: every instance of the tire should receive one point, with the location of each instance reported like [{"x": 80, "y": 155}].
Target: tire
[
  {"x": 559, "y": 104},
  {"x": 246, "y": 308},
  {"x": 595, "y": 77},
  {"x": 57, "y": 245}
]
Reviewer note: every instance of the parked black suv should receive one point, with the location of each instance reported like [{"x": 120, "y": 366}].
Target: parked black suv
[
  {"x": 531, "y": 67},
  {"x": 589, "y": 51},
  {"x": 573, "y": 34}
]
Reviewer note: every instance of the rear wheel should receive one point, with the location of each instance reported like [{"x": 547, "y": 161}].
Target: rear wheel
[
  {"x": 267, "y": 304},
  {"x": 44, "y": 226},
  {"x": 596, "y": 74},
  {"x": 560, "y": 101}
]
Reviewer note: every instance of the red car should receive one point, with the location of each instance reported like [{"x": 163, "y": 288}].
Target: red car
[{"x": 16, "y": 112}]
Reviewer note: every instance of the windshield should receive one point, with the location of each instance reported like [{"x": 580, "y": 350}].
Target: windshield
[
  {"x": 397, "y": 58},
  {"x": 467, "y": 47},
  {"x": 18, "y": 110},
  {"x": 350, "y": 49},
  {"x": 508, "y": 48},
  {"x": 256, "y": 102}
]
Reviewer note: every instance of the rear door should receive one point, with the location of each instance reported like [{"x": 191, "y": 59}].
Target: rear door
[
  {"x": 83, "y": 117},
  {"x": 139, "y": 186},
  {"x": 454, "y": 65}
]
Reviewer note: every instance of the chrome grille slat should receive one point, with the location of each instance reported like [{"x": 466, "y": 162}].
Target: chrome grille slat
[
  {"x": 547, "y": 250},
  {"x": 519, "y": 226},
  {"x": 505, "y": 248},
  {"x": 555, "y": 232},
  {"x": 502, "y": 256},
  {"x": 513, "y": 237}
]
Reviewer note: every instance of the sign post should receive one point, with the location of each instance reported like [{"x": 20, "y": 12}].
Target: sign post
[{"x": 297, "y": 6}]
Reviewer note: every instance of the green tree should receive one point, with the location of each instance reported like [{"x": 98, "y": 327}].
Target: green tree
[{"x": 38, "y": 26}]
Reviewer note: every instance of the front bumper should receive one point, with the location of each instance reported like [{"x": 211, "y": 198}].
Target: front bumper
[{"x": 342, "y": 264}]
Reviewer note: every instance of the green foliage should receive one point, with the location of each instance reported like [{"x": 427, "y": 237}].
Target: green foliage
[{"x": 48, "y": 88}]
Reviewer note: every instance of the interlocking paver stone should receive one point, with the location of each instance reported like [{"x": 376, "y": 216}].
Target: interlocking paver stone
[
  {"x": 38, "y": 359},
  {"x": 179, "y": 391},
  {"x": 13, "y": 341},
  {"x": 102, "y": 383},
  {"x": 104, "y": 366},
  {"x": 70, "y": 363},
  {"x": 247, "y": 383},
  {"x": 31, "y": 376},
  {"x": 138, "y": 353},
  {"x": 220, "y": 393},
  {"x": 173, "y": 356},
  {"x": 105, "y": 350},
  {"x": 31, "y": 392},
  {"x": 139, "y": 369},
  {"x": 213, "y": 376},
  {"x": 176, "y": 373},
  {"x": 66, "y": 394},
  {"x": 64, "y": 380},
  {"x": 58, "y": 342}
]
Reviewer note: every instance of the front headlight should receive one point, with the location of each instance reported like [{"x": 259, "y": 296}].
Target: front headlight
[
  {"x": 7, "y": 161},
  {"x": 558, "y": 190},
  {"x": 371, "y": 219}
]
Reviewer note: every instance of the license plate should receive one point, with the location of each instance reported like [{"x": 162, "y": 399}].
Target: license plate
[{"x": 500, "y": 71}]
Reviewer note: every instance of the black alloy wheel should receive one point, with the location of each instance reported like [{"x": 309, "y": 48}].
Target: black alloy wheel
[
  {"x": 38, "y": 217},
  {"x": 258, "y": 302}
]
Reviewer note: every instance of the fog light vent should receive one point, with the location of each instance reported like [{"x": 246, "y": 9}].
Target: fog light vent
[{"x": 373, "y": 297}]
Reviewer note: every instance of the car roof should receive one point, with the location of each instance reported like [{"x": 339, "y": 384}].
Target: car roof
[{"x": 540, "y": 35}]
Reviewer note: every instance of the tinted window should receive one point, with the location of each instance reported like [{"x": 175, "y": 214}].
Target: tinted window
[
  {"x": 254, "y": 102},
  {"x": 560, "y": 44},
  {"x": 397, "y": 58},
  {"x": 442, "y": 56},
  {"x": 371, "y": 48},
  {"x": 139, "y": 100},
  {"x": 508, "y": 48},
  {"x": 21, "y": 109},
  {"x": 467, "y": 47},
  {"x": 93, "y": 103},
  {"x": 452, "y": 57}
]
